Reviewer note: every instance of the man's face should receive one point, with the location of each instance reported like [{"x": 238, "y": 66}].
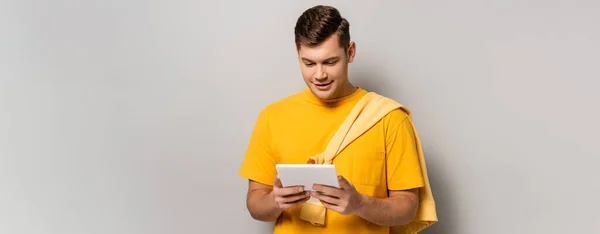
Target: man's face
[{"x": 325, "y": 68}]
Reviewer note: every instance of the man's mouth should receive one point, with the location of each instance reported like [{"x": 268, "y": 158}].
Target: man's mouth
[{"x": 323, "y": 87}]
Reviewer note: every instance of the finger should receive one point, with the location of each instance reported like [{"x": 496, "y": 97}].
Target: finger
[
  {"x": 330, "y": 206},
  {"x": 296, "y": 197},
  {"x": 289, "y": 205},
  {"x": 277, "y": 182},
  {"x": 331, "y": 191},
  {"x": 334, "y": 201},
  {"x": 301, "y": 201},
  {"x": 289, "y": 198},
  {"x": 344, "y": 184},
  {"x": 325, "y": 194},
  {"x": 291, "y": 190}
]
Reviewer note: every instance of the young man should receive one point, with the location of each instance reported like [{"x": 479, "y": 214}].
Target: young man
[{"x": 379, "y": 172}]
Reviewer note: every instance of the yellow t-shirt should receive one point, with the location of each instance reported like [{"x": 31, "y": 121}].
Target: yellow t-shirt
[{"x": 299, "y": 126}]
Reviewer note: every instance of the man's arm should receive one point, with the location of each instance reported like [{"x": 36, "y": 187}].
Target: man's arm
[
  {"x": 261, "y": 202},
  {"x": 265, "y": 202},
  {"x": 399, "y": 208}
]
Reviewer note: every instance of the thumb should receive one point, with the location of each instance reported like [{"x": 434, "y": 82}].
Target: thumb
[
  {"x": 277, "y": 182},
  {"x": 344, "y": 184}
]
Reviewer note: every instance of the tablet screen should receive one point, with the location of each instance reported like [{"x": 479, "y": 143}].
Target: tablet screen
[{"x": 307, "y": 174}]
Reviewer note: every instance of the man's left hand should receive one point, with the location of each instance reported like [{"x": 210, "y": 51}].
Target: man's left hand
[{"x": 344, "y": 200}]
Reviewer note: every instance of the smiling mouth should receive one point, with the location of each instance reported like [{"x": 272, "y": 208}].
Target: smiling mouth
[{"x": 323, "y": 85}]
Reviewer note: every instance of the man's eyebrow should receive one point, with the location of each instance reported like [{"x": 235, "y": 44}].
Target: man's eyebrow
[
  {"x": 328, "y": 59},
  {"x": 332, "y": 58}
]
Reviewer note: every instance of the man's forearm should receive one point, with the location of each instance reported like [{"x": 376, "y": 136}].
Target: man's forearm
[
  {"x": 262, "y": 206},
  {"x": 392, "y": 211}
]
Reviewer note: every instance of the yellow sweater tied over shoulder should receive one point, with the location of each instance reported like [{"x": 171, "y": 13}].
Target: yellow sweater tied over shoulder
[{"x": 366, "y": 113}]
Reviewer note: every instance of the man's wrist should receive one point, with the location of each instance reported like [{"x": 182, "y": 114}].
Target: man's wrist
[{"x": 363, "y": 204}]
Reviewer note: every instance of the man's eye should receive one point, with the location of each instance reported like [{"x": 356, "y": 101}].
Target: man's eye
[{"x": 309, "y": 64}]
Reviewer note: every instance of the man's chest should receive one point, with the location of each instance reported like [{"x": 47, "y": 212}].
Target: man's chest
[{"x": 362, "y": 161}]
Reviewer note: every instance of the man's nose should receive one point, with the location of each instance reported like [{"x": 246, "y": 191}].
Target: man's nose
[{"x": 320, "y": 75}]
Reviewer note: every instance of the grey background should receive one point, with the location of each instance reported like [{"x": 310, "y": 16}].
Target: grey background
[{"x": 133, "y": 116}]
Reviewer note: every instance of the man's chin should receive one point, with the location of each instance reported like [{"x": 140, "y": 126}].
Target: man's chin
[{"x": 323, "y": 95}]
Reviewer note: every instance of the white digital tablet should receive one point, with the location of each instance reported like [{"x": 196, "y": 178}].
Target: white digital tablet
[{"x": 307, "y": 175}]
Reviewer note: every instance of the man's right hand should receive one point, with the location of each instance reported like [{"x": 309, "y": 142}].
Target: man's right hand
[
  {"x": 287, "y": 197},
  {"x": 266, "y": 202}
]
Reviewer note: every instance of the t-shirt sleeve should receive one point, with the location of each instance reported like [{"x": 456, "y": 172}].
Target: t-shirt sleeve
[
  {"x": 402, "y": 159},
  {"x": 259, "y": 163}
]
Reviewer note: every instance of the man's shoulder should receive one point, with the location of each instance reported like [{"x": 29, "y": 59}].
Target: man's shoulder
[
  {"x": 283, "y": 104},
  {"x": 396, "y": 116}
]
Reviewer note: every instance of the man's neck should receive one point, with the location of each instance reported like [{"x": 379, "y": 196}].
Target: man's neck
[{"x": 348, "y": 89}]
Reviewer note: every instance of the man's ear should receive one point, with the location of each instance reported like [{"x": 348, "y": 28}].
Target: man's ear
[{"x": 351, "y": 51}]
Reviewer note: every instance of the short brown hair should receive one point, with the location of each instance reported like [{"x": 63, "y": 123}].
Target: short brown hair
[{"x": 318, "y": 23}]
